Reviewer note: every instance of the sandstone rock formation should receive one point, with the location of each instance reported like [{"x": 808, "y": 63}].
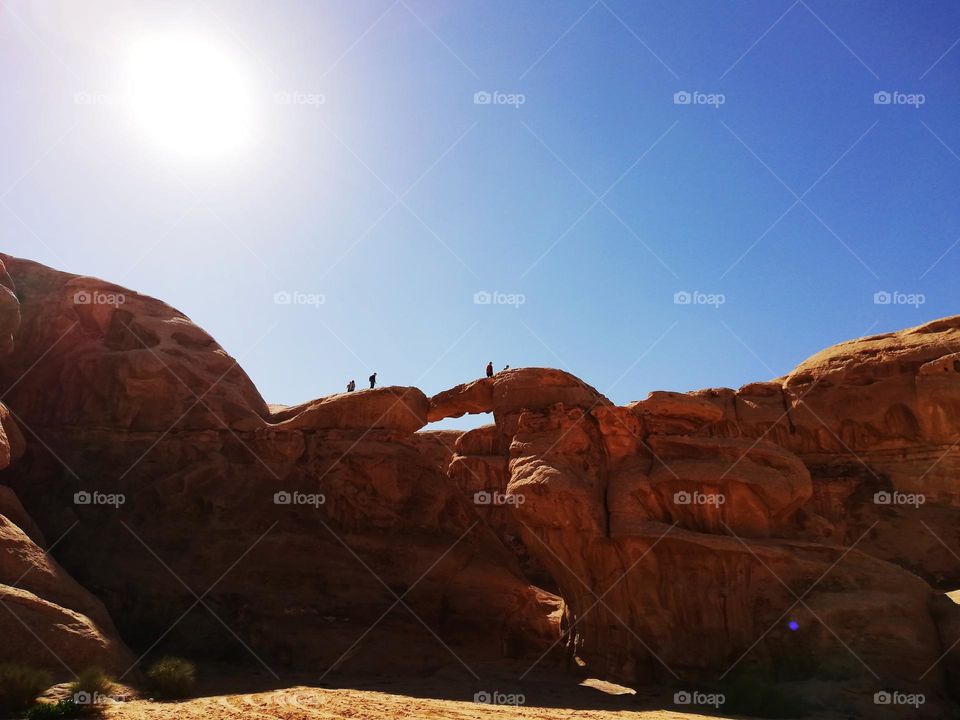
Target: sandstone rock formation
[
  {"x": 317, "y": 536},
  {"x": 118, "y": 360},
  {"x": 48, "y": 620},
  {"x": 686, "y": 531},
  {"x": 702, "y": 539},
  {"x": 876, "y": 420},
  {"x": 675, "y": 567}
]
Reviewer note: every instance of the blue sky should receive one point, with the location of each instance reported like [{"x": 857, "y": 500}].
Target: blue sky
[{"x": 371, "y": 177}]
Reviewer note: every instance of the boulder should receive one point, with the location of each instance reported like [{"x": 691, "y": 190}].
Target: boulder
[{"x": 49, "y": 620}]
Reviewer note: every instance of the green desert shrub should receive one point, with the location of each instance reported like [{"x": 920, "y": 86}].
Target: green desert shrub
[
  {"x": 20, "y": 685},
  {"x": 172, "y": 677},
  {"x": 92, "y": 681},
  {"x": 54, "y": 711}
]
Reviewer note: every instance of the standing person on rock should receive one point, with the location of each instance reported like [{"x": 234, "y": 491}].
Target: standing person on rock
[
  {"x": 373, "y": 381},
  {"x": 490, "y": 369},
  {"x": 351, "y": 386}
]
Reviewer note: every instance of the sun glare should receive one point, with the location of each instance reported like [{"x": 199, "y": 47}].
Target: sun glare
[{"x": 189, "y": 96}]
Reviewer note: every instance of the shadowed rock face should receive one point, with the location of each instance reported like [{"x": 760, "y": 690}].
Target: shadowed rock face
[
  {"x": 48, "y": 620},
  {"x": 297, "y": 530},
  {"x": 684, "y": 560},
  {"x": 685, "y": 532}
]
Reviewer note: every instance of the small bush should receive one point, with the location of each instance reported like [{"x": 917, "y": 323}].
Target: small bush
[
  {"x": 20, "y": 685},
  {"x": 93, "y": 682},
  {"x": 172, "y": 677},
  {"x": 54, "y": 711}
]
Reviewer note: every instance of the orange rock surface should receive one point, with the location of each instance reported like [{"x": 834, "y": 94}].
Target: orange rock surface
[{"x": 795, "y": 531}]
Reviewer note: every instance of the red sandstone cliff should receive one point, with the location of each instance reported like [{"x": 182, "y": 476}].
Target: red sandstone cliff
[{"x": 684, "y": 532}]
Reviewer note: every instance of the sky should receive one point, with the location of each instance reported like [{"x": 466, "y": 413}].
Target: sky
[{"x": 650, "y": 194}]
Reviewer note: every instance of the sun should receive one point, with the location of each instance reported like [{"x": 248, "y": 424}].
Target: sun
[{"x": 189, "y": 95}]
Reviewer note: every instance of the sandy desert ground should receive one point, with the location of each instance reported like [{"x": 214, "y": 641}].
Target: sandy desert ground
[
  {"x": 225, "y": 694},
  {"x": 304, "y": 702}
]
